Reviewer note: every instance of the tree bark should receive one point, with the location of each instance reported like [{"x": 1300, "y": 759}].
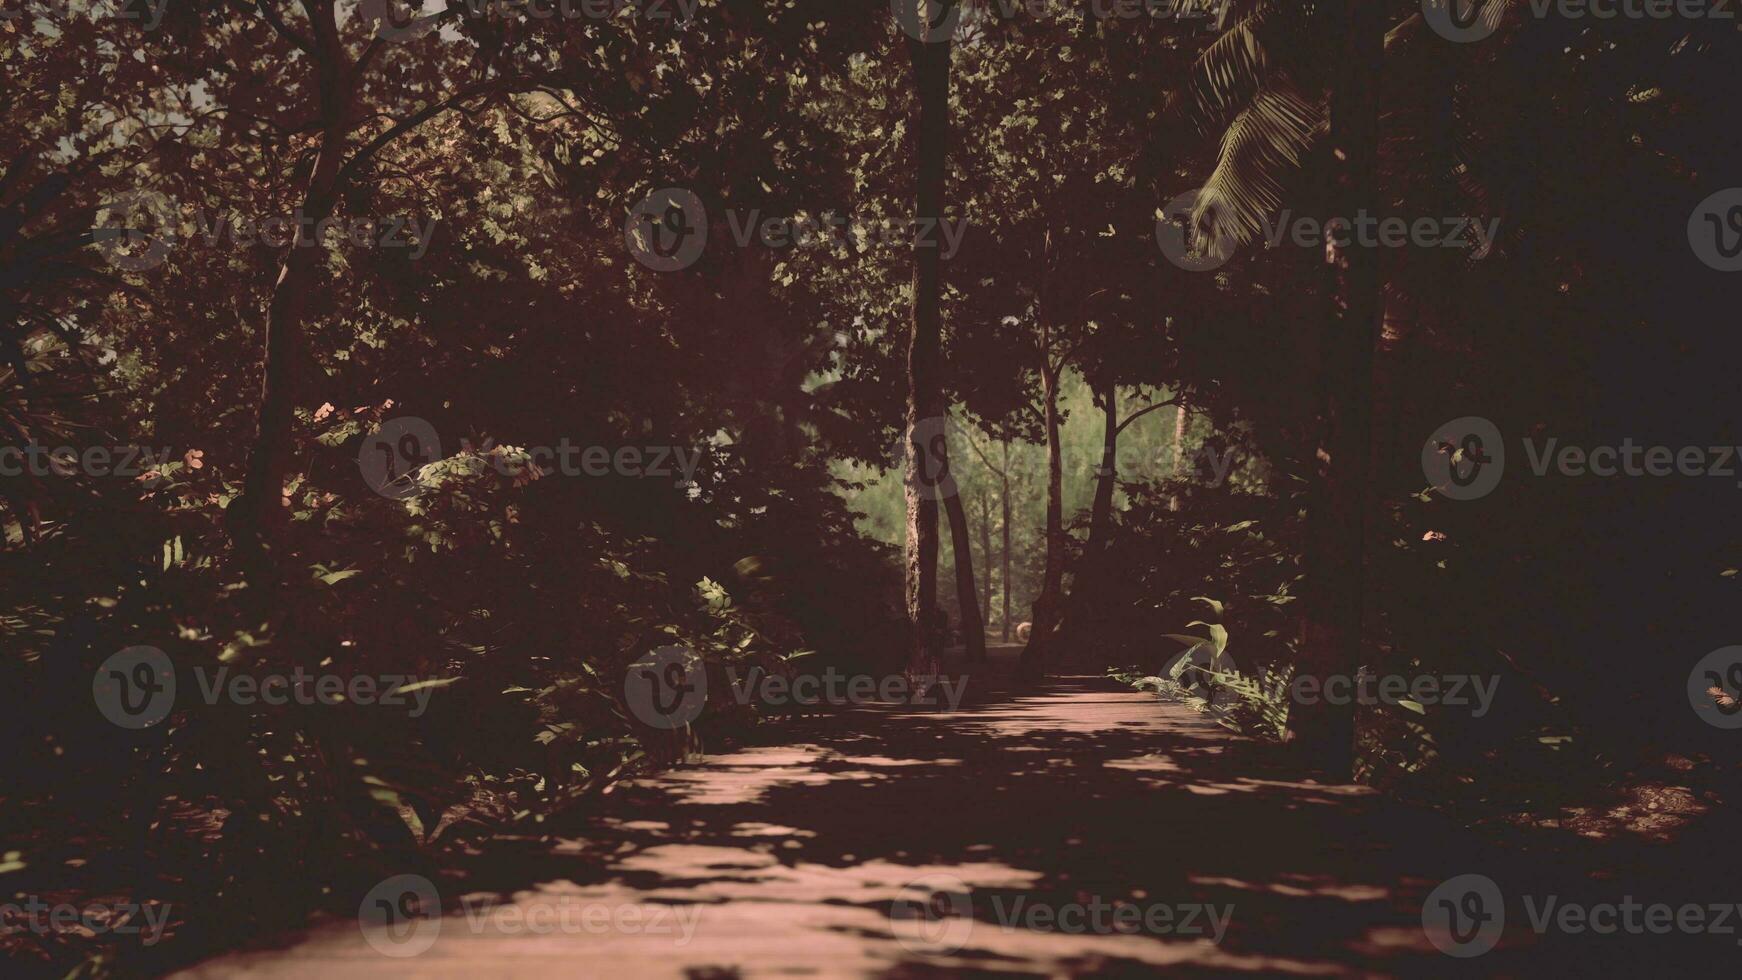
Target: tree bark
[
  {"x": 257, "y": 515},
  {"x": 931, "y": 77},
  {"x": 985, "y": 525},
  {"x": 1101, "y": 511},
  {"x": 1338, "y": 508},
  {"x": 1179, "y": 449},
  {"x": 1085, "y": 584},
  {"x": 1004, "y": 518},
  {"x": 962, "y": 550},
  {"x": 1046, "y": 605}
]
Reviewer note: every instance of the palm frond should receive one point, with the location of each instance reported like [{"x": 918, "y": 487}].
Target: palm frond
[
  {"x": 1274, "y": 39},
  {"x": 1262, "y": 151}
]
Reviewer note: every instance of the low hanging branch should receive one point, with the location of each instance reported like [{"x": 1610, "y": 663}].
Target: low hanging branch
[{"x": 1145, "y": 410}]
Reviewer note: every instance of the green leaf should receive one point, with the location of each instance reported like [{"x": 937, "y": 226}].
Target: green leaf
[
  {"x": 432, "y": 682},
  {"x": 1215, "y": 605},
  {"x": 1218, "y": 634}
]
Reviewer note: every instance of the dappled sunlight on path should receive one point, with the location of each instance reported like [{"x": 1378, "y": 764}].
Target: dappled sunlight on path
[{"x": 1079, "y": 828}]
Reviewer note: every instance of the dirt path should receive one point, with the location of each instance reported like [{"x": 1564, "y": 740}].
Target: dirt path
[{"x": 1078, "y": 829}]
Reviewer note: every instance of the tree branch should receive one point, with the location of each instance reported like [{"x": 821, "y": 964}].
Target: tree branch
[
  {"x": 271, "y": 16},
  {"x": 1142, "y": 412},
  {"x": 404, "y": 126}
]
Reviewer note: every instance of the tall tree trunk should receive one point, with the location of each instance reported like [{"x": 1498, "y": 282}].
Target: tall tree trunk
[
  {"x": 1046, "y": 605},
  {"x": 930, "y": 59},
  {"x": 1004, "y": 525},
  {"x": 257, "y": 515},
  {"x": 1101, "y": 511},
  {"x": 985, "y": 525},
  {"x": 1338, "y": 509},
  {"x": 1079, "y": 613},
  {"x": 1179, "y": 450},
  {"x": 962, "y": 550}
]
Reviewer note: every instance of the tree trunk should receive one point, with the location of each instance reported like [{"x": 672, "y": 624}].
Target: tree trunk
[
  {"x": 1079, "y": 614},
  {"x": 1179, "y": 449},
  {"x": 1046, "y": 605},
  {"x": 931, "y": 79},
  {"x": 985, "y": 557},
  {"x": 1004, "y": 518},
  {"x": 962, "y": 550},
  {"x": 1101, "y": 511},
  {"x": 258, "y": 514},
  {"x": 1338, "y": 508}
]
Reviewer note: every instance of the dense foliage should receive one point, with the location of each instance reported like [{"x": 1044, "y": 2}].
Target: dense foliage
[{"x": 488, "y": 166}]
